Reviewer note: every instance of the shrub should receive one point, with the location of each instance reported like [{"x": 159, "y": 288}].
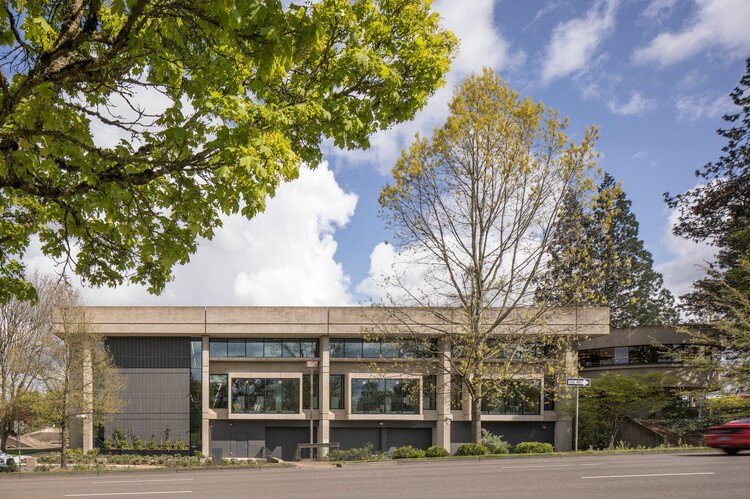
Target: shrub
[
  {"x": 407, "y": 452},
  {"x": 137, "y": 443},
  {"x": 108, "y": 443},
  {"x": 364, "y": 453},
  {"x": 180, "y": 445},
  {"x": 436, "y": 451},
  {"x": 167, "y": 445},
  {"x": 151, "y": 444},
  {"x": 494, "y": 443},
  {"x": 120, "y": 439},
  {"x": 533, "y": 448},
  {"x": 471, "y": 450}
]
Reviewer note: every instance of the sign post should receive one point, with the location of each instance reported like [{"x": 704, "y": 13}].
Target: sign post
[{"x": 577, "y": 382}]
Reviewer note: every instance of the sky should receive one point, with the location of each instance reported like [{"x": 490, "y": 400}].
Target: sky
[{"x": 654, "y": 75}]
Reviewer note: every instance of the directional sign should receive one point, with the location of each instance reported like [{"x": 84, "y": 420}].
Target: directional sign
[{"x": 578, "y": 381}]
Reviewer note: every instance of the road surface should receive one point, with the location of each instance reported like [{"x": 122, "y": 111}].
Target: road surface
[{"x": 696, "y": 474}]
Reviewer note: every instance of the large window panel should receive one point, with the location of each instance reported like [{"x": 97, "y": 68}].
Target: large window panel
[
  {"x": 353, "y": 349},
  {"x": 429, "y": 392},
  {"x": 370, "y": 349},
  {"x": 236, "y": 348},
  {"x": 217, "y": 389},
  {"x": 367, "y": 396},
  {"x": 291, "y": 348},
  {"x": 306, "y": 391},
  {"x": 520, "y": 398},
  {"x": 309, "y": 348},
  {"x": 265, "y": 395},
  {"x": 457, "y": 392},
  {"x": 337, "y": 349},
  {"x": 254, "y": 349},
  {"x": 336, "y": 391},
  {"x": 272, "y": 348},
  {"x": 217, "y": 348}
]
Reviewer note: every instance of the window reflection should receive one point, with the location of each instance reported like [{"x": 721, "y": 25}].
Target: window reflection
[
  {"x": 217, "y": 389},
  {"x": 379, "y": 396},
  {"x": 265, "y": 395}
]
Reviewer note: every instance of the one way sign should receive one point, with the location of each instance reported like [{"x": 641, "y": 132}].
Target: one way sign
[{"x": 578, "y": 381}]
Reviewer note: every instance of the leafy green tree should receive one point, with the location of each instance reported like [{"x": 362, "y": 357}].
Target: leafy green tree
[
  {"x": 210, "y": 104},
  {"x": 613, "y": 398},
  {"x": 596, "y": 258},
  {"x": 473, "y": 209},
  {"x": 718, "y": 212}
]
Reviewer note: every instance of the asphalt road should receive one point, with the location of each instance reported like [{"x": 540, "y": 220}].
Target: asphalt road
[{"x": 682, "y": 475}]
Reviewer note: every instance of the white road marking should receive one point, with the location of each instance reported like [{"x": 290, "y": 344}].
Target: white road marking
[
  {"x": 549, "y": 465},
  {"x": 652, "y": 474},
  {"x": 144, "y": 481},
  {"x": 130, "y": 493}
]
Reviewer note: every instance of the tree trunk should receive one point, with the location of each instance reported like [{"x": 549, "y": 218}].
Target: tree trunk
[
  {"x": 476, "y": 420},
  {"x": 4, "y": 440},
  {"x": 63, "y": 447}
]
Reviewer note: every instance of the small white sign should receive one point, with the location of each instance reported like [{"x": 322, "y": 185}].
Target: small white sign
[{"x": 578, "y": 381}]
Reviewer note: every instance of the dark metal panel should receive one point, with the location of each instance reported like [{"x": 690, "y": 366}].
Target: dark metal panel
[
  {"x": 155, "y": 399},
  {"x": 513, "y": 432},
  {"x": 141, "y": 352}
]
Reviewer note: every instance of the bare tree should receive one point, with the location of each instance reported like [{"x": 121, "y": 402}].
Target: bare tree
[
  {"x": 82, "y": 381},
  {"x": 24, "y": 330},
  {"x": 473, "y": 210}
]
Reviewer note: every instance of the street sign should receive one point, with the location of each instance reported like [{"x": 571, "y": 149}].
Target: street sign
[{"x": 578, "y": 381}]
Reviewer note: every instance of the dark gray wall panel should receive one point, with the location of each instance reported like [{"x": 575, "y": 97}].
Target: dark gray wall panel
[
  {"x": 224, "y": 435},
  {"x": 135, "y": 352},
  {"x": 154, "y": 400}
]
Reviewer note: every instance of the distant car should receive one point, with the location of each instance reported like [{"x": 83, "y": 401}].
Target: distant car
[
  {"x": 731, "y": 437},
  {"x": 6, "y": 461}
]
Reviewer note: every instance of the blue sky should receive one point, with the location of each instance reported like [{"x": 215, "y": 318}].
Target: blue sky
[{"x": 654, "y": 75}]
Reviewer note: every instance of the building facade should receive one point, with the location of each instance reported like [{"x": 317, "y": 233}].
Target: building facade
[
  {"x": 253, "y": 381},
  {"x": 641, "y": 350}
]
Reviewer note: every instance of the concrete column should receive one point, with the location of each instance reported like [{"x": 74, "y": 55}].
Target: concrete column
[
  {"x": 88, "y": 400},
  {"x": 324, "y": 368},
  {"x": 442, "y": 435},
  {"x": 564, "y": 425},
  {"x": 205, "y": 430}
]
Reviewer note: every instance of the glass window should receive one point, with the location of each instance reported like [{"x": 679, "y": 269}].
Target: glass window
[
  {"x": 389, "y": 350},
  {"x": 272, "y": 348},
  {"x": 337, "y": 349},
  {"x": 429, "y": 392},
  {"x": 549, "y": 393},
  {"x": 370, "y": 349},
  {"x": 306, "y": 391},
  {"x": 521, "y": 398},
  {"x": 336, "y": 391},
  {"x": 217, "y": 348},
  {"x": 291, "y": 348},
  {"x": 621, "y": 355},
  {"x": 367, "y": 396},
  {"x": 196, "y": 354},
  {"x": 217, "y": 389},
  {"x": 254, "y": 349},
  {"x": 456, "y": 393},
  {"x": 257, "y": 395},
  {"x": 236, "y": 348},
  {"x": 352, "y": 349},
  {"x": 309, "y": 348}
]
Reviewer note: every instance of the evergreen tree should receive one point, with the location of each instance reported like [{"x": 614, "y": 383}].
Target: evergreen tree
[{"x": 598, "y": 259}]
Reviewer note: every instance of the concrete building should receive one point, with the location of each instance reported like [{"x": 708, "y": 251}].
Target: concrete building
[
  {"x": 235, "y": 381},
  {"x": 640, "y": 350}
]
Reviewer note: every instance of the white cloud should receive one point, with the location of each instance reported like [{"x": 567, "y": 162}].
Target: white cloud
[
  {"x": 687, "y": 262},
  {"x": 391, "y": 275},
  {"x": 715, "y": 23},
  {"x": 575, "y": 42},
  {"x": 480, "y": 45},
  {"x": 696, "y": 107},
  {"x": 635, "y": 106},
  {"x": 659, "y": 9},
  {"x": 283, "y": 256}
]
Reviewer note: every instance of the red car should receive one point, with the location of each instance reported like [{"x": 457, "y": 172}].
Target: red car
[{"x": 731, "y": 437}]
